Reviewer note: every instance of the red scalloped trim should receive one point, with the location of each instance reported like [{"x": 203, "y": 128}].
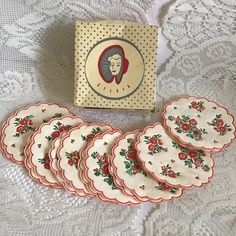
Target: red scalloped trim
[
  {"x": 177, "y": 137},
  {"x": 84, "y": 177},
  {"x": 64, "y": 183},
  {"x": 159, "y": 200},
  {"x": 162, "y": 180},
  {"x": 81, "y": 170},
  {"x": 119, "y": 185},
  {"x": 28, "y": 168},
  {"x": 51, "y": 158},
  {"x": 62, "y": 145},
  {"x": 117, "y": 181},
  {"x": 8, "y": 155},
  {"x": 81, "y": 161},
  {"x": 2, "y": 149},
  {"x": 86, "y": 182},
  {"x": 100, "y": 193},
  {"x": 31, "y": 141}
]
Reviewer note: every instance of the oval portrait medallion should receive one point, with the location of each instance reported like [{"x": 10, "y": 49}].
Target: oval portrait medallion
[{"x": 114, "y": 68}]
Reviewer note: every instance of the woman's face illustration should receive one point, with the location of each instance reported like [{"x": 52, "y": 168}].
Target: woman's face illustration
[{"x": 115, "y": 64}]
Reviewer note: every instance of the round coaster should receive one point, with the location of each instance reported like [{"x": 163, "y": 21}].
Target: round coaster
[
  {"x": 124, "y": 190},
  {"x": 96, "y": 167},
  {"x": 81, "y": 168},
  {"x": 37, "y": 157},
  {"x": 22, "y": 123},
  {"x": 69, "y": 150},
  {"x": 199, "y": 123},
  {"x": 82, "y": 173},
  {"x": 86, "y": 181},
  {"x": 168, "y": 162},
  {"x": 52, "y": 153},
  {"x": 34, "y": 175},
  {"x": 54, "y": 164},
  {"x": 128, "y": 169}
]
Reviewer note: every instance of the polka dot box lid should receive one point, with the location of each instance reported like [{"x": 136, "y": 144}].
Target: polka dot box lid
[{"x": 115, "y": 65}]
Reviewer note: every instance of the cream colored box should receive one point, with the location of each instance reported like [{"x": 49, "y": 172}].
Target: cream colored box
[{"x": 115, "y": 65}]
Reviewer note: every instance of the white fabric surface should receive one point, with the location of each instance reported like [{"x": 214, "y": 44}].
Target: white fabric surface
[{"x": 36, "y": 63}]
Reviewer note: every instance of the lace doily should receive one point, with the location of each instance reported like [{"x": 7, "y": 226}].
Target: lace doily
[
  {"x": 191, "y": 22},
  {"x": 36, "y": 55}
]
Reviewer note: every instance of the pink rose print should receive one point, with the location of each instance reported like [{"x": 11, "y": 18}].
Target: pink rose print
[
  {"x": 73, "y": 158},
  {"x": 23, "y": 125},
  {"x": 90, "y": 137},
  {"x": 167, "y": 171},
  {"x": 103, "y": 169},
  {"x": 192, "y": 158},
  {"x": 188, "y": 126},
  {"x": 219, "y": 125},
  {"x": 58, "y": 129},
  {"x": 155, "y": 144},
  {"x": 197, "y": 106},
  {"x": 45, "y": 161},
  {"x": 165, "y": 187},
  {"x": 131, "y": 161}
]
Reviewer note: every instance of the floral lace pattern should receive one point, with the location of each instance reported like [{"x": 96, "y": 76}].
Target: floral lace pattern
[
  {"x": 215, "y": 19},
  {"x": 36, "y": 53},
  {"x": 214, "y": 79}
]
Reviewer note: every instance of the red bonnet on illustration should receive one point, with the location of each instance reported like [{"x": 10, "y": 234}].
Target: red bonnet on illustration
[{"x": 112, "y": 64}]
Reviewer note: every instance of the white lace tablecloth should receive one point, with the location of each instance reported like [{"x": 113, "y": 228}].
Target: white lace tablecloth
[{"x": 36, "y": 63}]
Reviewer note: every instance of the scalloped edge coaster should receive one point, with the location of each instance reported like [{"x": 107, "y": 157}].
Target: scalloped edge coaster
[
  {"x": 128, "y": 169},
  {"x": 125, "y": 190},
  {"x": 96, "y": 168},
  {"x": 168, "y": 162},
  {"x": 39, "y": 143},
  {"x": 199, "y": 123},
  {"x": 82, "y": 173},
  {"x": 81, "y": 169},
  {"x": 54, "y": 165},
  {"x": 69, "y": 150},
  {"x": 86, "y": 181},
  {"x": 22, "y": 123},
  {"x": 35, "y": 177}
]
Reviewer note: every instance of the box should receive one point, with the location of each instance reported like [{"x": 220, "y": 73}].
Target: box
[{"x": 115, "y": 65}]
